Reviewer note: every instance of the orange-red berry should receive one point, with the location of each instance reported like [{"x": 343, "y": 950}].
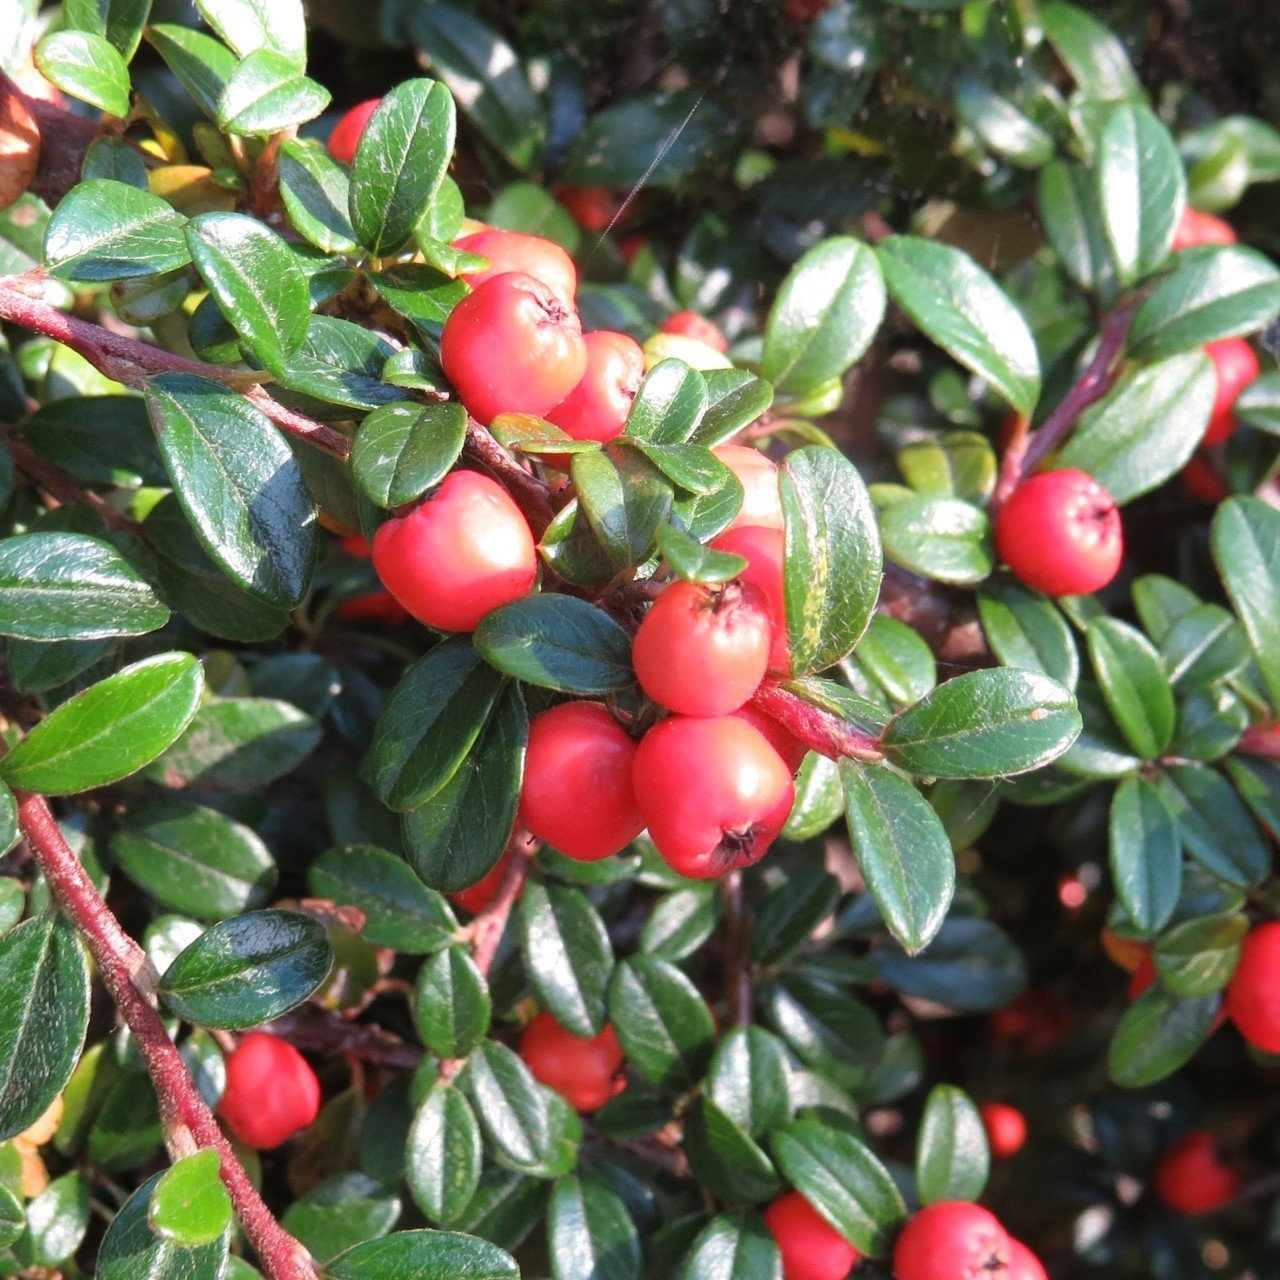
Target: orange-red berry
[
  {"x": 1193, "y": 1176},
  {"x": 1235, "y": 365},
  {"x": 586, "y": 1073},
  {"x": 350, "y": 128},
  {"x": 509, "y": 251},
  {"x": 593, "y": 208},
  {"x": 1196, "y": 228},
  {"x": 1006, "y": 1128},
  {"x": 1023, "y": 1264},
  {"x": 271, "y": 1091},
  {"x": 689, "y": 324},
  {"x": 761, "y": 501},
  {"x": 597, "y": 408},
  {"x": 951, "y": 1240},
  {"x": 811, "y": 1248},
  {"x": 765, "y": 553},
  {"x": 1253, "y": 994},
  {"x": 785, "y": 743},
  {"x": 478, "y": 896}
]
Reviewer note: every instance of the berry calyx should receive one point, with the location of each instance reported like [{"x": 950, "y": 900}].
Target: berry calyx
[
  {"x": 952, "y": 1240},
  {"x": 765, "y": 552},
  {"x": 1196, "y": 228},
  {"x": 689, "y": 324},
  {"x": 1006, "y": 1128},
  {"x": 786, "y": 744},
  {"x": 597, "y": 408},
  {"x": 761, "y": 501},
  {"x": 1235, "y": 366},
  {"x": 271, "y": 1091},
  {"x": 1253, "y": 994},
  {"x": 534, "y": 256},
  {"x": 512, "y": 346},
  {"x": 811, "y": 1248},
  {"x": 585, "y": 1072},
  {"x": 713, "y": 792},
  {"x": 1060, "y": 533},
  {"x": 479, "y": 895},
  {"x": 1194, "y": 1177},
  {"x": 577, "y": 793},
  {"x": 350, "y": 129},
  {"x": 593, "y": 208},
  {"x": 459, "y": 554},
  {"x": 702, "y": 650},
  {"x": 1023, "y": 1264}
]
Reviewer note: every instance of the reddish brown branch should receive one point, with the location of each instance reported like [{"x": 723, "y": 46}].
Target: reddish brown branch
[
  {"x": 64, "y": 488},
  {"x": 132, "y": 362},
  {"x": 819, "y": 730},
  {"x": 1026, "y": 452},
  {"x": 324, "y": 1033},
  {"x": 1261, "y": 740},
  {"x": 529, "y": 492},
  {"x": 188, "y": 1122}
]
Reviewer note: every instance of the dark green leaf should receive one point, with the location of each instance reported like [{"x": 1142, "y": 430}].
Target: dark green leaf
[
  {"x": 510, "y": 1106},
  {"x": 1246, "y": 549},
  {"x": 106, "y": 230},
  {"x": 1026, "y": 630},
  {"x": 248, "y": 969},
  {"x": 133, "y": 1248},
  {"x": 624, "y": 500},
  {"x": 663, "y": 1023},
  {"x": 681, "y": 921},
  {"x": 201, "y": 63},
  {"x": 567, "y": 954},
  {"x": 111, "y": 729},
  {"x": 669, "y": 404},
  {"x": 735, "y": 399},
  {"x": 266, "y": 94},
  {"x": 1146, "y": 853},
  {"x": 424, "y": 1255},
  {"x": 1094, "y": 55},
  {"x": 57, "y": 1220},
  {"x": 120, "y": 22},
  {"x": 315, "y": 190},
  {"x": 747, "y": 1080},
  {"x": 341, "y": 1212},
  {"x": 101, "y": 439},
  {"x": 830, "y": 1031},
  {"x": 442, "y": 1162},
  {"x": 1198, "y": 957},
  {"x": 1134, "y": 684},
  {"x": 452, "y": 1004},
  {"x": 941, "y": 538},
  {"x": 590, "y": 1233},
  {"x": 952, "y": 1160},
  {"x": 402, "y": 449},
  {"x": 1070, "y": 210},
  {"x": 1158, "y": 1034},
  {"x": 1217, "y": 829},
  {"x": 86, "y": 65},
  {"x": 971, "y": 964},
  {"x": 692, "y": 561}
]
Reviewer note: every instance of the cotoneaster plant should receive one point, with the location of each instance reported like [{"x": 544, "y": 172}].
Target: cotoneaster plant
[{"x": 610, "y": 614}]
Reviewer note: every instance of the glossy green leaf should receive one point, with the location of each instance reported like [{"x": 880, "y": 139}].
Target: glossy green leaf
[
  {"x": 952, "y": 1160},
  {"x": 57, "y": 1220},
  {"x": 690, "y": 560},
  {"x": 735, "y": 399},
  {"x": 315, "y": 190},
  {"x": 567, "y": 954},
  {"x": 256, "y": 282},
  {"x": 971, "y": 964},
  {"x": 508, "y": 1102},
  {"x": 1146, "y": 853},
  {"x": 64, "y": 586},
  {"x": 1158, "y": 1034},
  {"x": 110, "y": 730},
  {"x": 941, "y": 538},
  {"x": 1246, "y": 549},
  {"x": 902, "y": 851},
  {"x": 825, "y": 315},
  {"x": 43, "y": 1018},
  {"x": 733, "y": 1246},
  {"x": 119, "y": 22},
  {"x": 239, "y": 484},
  {"x": 1093, "y": 54},
  {"x": 1198, "y": 957},
  {"x": 452, "y": 1003},
  {"x": 107, "y": 230},
  {"x": 828, "y": 1030},
  {"x": 202, "y": 64},
  {"x": 424, "y": 1255},
  {"x": 100, "y": 439},
  {"x": 833, "y": 558},
  {"x": 87, "y": 66},
  {"x": 402, "y": 449},
  {"x": 400, "y": 163},
  {"x": 341, "y": 1212},
  {"x": 132, "y": 1247},
  {"x": 669, "y": 404},
  {"x": 195, "y": 860},
  {"x": 1134, "y": 684},
  {"x": 1070, "y": 208},
  {"x": 958, "y": 305},
  {"x": 248, "y": 969},
  {"x": 247, "y": 25},
  {"x": 190, "y": 1206},
  {"x": 1217, "y": 828},
  {"x": 1026, "y": 630},
  {"x": 747, "y": 1080},
  {"x": 557, "y": 642},
  {"x": 662, "y": 1022},
  {"x": 624, "y": 500},
  {"x": 442, "y": 1161},
  {"x": 590, "y": 1233},
  {"x": 266, "y": 94}
]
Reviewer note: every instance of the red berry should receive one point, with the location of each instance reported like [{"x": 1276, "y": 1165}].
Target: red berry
[
  {"x": 1037, "y": 1021},
  {"x": 951, "y": 1240},
  {"x": 373, "y": 606},
  {"x": 271, "y": 1091},
  {"x": 1253, "y": 994},
  {"x": 689, "y": 324},
  {"x": 1060, "y": 533},
  {"x": 512, "y": 346},
  {"x": 789, "y": 747},
  {"x": 459, "y": 554},
  {"x": 765, "y": 551},
  {"x": 630, "y": 246},
  {"x": 1192, "y": 1176},
  {"x": 586, "y": 1073},
  {"x": 1006, "y": 1128},
  {"x": 597, "y": 408},
  {"x": 1201, "y": 481},
  {"x": 509, "y": 251},
  {"x": 761, "y": 502},
  {"x": 356, "y": 545},
  {"x": 480, "y": 894},
  {"x": 593, "y": 208},
  {"x": 713, "y": 793},
  {"x": 1235, "y": 365},
  {"x": 1023, "y": 1264},
  {"x": 811, "y": 1249},
  {"x": 1201, "y": 228},
  {"x": 802, "y": 11},
  {"x": 347, "y": 132},
  {"x": 577, "y": 793},
  {"x": 702, "y": 650}
]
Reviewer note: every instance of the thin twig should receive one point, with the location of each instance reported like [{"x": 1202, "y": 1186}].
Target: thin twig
[
  {"x": 819, "y": 730},
  {"x": 63, "y": 487},
  {"x": 330, "y": 1035},
  {"x": 1026, "y": 452},
  {"x": 188, "y": 1123},
  {"x": 737, "y": 949}
]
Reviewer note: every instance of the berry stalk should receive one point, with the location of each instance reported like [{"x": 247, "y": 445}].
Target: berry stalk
[{"x": 189, "y": 1125}]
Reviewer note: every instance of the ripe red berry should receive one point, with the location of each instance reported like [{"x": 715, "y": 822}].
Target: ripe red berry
[
  {"x": 509, "y": 251},
  {"x": 1235, "y": 365},
  {"x": 951, "y": 1240},
  {"x": 1037, "y": 1021},
  {"x": 765, "y": 551},
  {"x": 713, "y": 793},
  {"x": 1023, "y": 1264},
  {"x": 577, "y": 793},
  {"x": 597, "y": 408},
  {"x": 811, "y": 1249},
  {"x": 462, "y": 552},
  {"x": 1060, "y": 533},
  {"x": 789, "y": 747},
  {"x": 593, "y": 208},
  {"x": 373, "y": 606},
  {"x": 271, "y": 1091},
  {"x": 480, "y": 894},
  {"x": 347, "y": 132},
  {"x": 702, "y": 650},
  {"x": 1201, "y": 481},
  {"x": 586, "y": 1073},
  {"x": 1201, "y": 228},
  {"x": 1006, "y": 1128},
  {"x": 761, "y": 502},
  {"x": 1253, "y": 994},
  {"x": 1193, "y": 1177},
  {"x": 689, "y": 324},
  {"x": 512, "y": 346}
]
